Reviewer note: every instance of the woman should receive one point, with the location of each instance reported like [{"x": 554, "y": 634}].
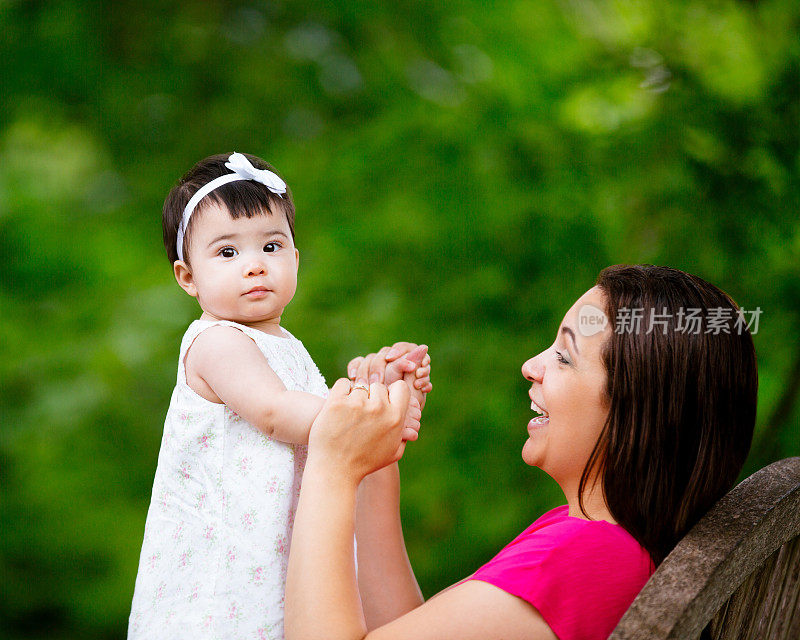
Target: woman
[{"x": 644, "y": 425}]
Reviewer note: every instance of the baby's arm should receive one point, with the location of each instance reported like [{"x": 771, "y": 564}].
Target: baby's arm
[{"x": 223, "y": 365}]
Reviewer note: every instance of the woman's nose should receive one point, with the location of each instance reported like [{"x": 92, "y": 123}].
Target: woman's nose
[{"x": 533, "y": 369}]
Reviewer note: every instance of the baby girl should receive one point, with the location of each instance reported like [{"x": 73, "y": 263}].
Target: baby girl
[{"x": 216, "y": 541}]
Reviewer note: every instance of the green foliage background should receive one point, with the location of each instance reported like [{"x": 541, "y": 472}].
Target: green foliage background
[{"x": 462, "y": 171}]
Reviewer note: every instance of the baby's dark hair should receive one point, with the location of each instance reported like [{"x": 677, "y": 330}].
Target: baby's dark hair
[{"x": 246, "y": 198}]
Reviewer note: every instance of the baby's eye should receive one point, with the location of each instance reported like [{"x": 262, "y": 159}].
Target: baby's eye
[
  {"x": 271, "y": 246},
  {"x": 227, "y": 252}
]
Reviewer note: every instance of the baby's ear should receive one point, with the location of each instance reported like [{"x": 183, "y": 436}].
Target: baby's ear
[{"x": 183, "y": 274}]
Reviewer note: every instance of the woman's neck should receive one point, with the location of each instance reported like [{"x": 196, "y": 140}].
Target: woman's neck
[{"x": 594, "y": 503}]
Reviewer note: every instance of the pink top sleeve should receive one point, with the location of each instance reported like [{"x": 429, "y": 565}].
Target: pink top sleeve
[{"x": 581, "y": 575}]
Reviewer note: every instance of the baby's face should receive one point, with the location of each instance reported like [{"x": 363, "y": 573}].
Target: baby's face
[{"x": 243, "y": 270}]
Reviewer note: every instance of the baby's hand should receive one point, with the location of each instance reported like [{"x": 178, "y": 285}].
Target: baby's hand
[
  {"x": 388, "y": 366},
  {"x": 394, "y": 363},
  {"x": 375, "y": 366},
  {"x": 406, "y": 367}
]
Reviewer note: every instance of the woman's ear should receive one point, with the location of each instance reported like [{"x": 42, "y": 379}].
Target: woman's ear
[
  {"x": 296, "y": 259},
  {"x": 183, "y": 274}
]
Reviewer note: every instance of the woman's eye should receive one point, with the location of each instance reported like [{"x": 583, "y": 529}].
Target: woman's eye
[
  {"x": 560, "y": 357},
  {"x": 271, "y": 246},
  {"x": 227, "y": 252}
]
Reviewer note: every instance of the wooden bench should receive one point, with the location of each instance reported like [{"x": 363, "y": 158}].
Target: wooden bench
[{"x": 736, "y": 574}]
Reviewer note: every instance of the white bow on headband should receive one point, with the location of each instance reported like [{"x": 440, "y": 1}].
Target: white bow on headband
[
  {"x": 242, "y": 170},
  {"x": 240, "y": 165}
]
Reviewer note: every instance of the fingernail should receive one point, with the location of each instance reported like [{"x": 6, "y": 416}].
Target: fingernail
[
  {"x": 361, "y": 381},
  {"x": 391, "y": 354},
  {"x": 374, "y": 378},
  {"x": 351, "y": 372}
]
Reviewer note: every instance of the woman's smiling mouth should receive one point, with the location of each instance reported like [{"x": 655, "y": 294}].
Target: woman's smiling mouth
[
  {"x": 540, "y": 420},
  {"x": 535, "y": 407}
]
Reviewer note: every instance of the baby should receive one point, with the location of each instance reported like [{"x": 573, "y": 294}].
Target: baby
[{"x": 216, "y": 541}]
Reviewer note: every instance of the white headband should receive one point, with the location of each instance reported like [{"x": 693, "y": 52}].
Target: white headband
[{"x": 242, "y": 170}]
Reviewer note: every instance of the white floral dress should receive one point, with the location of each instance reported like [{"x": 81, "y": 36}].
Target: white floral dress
[{"x": 216, "y": 541}]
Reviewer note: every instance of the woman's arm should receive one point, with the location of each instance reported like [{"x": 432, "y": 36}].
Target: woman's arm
[
  {"x": 322, "y": 597},
  {"x": 385, "y": 577},
  {"x": 353, "y": 436}
]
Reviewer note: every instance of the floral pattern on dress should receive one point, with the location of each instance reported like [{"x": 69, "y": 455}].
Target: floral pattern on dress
[{"x": 216, "y": 543}]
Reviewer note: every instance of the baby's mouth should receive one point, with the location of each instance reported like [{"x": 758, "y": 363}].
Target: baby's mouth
[{"x": 257, "y": 292}]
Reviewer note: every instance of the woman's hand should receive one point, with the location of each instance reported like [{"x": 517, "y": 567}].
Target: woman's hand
[
  {"x": 355, "y": 433},
  {"x": 359, "y": 431}
]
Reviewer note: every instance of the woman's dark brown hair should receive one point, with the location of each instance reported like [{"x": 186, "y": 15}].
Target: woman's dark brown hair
[
  {"x": 682, "y": 401},
  {"x": 241, "y": 198}
]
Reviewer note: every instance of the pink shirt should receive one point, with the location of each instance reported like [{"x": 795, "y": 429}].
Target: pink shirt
[{"x": 581, "y": 575}]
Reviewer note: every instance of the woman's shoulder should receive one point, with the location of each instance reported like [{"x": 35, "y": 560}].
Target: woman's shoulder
[
  {"x": 576, "y": 527},
  {"x": 556, "y": 538},
  {"x": 580, "y": 574}
]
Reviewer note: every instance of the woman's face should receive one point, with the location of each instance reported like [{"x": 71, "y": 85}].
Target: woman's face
[{"x": 569, "y": 390}]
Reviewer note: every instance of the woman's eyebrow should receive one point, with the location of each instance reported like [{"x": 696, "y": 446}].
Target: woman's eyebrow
[{"x": 571, "y": 333}]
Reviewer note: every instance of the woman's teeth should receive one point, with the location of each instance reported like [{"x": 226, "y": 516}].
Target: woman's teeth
[
  {"x": 539, "y": 421},
  {"x": 535, "y": 407}
]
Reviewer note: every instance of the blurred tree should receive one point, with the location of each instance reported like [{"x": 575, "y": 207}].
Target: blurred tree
[{"x": 462, "y": 171}]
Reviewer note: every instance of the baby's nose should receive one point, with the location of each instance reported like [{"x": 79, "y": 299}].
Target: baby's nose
[{"x": 255, "y": 268}]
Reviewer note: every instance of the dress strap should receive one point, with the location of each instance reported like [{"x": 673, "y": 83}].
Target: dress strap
[{"x": 197, "y": 327}]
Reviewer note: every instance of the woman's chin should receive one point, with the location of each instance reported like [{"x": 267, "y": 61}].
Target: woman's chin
[
  {"x": 532, "y": 449},
  {"x": 531, "y": 452}
]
